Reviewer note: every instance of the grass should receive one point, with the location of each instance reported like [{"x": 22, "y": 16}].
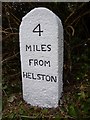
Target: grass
[
  {"x": 76, "y": 94},
  {"x": 75, "y": 105}
]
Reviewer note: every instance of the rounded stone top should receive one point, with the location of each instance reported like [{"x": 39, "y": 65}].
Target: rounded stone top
[{"x": 39, "y": 11}]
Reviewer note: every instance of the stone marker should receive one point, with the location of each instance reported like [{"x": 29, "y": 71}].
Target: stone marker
[{"x": 41, "y": 50}]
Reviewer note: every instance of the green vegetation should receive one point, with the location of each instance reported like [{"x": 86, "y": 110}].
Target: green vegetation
[{"x": 76, "y": 96}]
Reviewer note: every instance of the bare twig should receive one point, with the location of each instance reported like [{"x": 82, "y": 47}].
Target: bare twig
[
  {"x": 15, "y": 18},
  {"x": 80, "y": 44},
  {"x": 10, "y": 57},
  {"x": 2, "y": 31},
  {"x": 14, "y": 75},
  {"x": 9, "y": 29},
  {"x": 80, "y": 17},
  {"x": 73, "y": 13},
  {"x": 10, "y": 35},
  {"x": 71, "y": 27},
  {"x": 77, "y": 14}
]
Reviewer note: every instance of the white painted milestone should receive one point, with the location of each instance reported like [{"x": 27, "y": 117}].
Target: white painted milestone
[{"x": 41, "y": 51}]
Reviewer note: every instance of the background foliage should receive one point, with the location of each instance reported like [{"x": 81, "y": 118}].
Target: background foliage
[{"x": 76, "y": 96}]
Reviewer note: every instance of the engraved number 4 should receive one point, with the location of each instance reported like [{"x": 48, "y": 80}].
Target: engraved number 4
[{"x": 37, "y": 29}]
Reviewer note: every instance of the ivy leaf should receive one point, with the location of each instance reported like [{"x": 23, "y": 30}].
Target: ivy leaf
[
  {"x": 82, "y": 95},
  {"x": 72, "y": 111},
  {"x": 11, "y": 98}
]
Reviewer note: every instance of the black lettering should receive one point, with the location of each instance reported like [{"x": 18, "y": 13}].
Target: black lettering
[
  {"x": 35, "y": 62},
  {"x": 29, "y": 75},
  {"x": 47, "y": 78},
  {"x": 33, "y": 77},
  {"x": 33, "y": 47},
  {"x": 28, "y": 47},
  {"x": 38, "y": 76},
  {"x": 54, "y": 78},
  {"x": 49, "y": 47},
  {"x": 39, "y": 31},
  {"x": 37, "y": 48},
  {"x": 25, "y": 75},
  {"x": 30, "y": 61},
  {"x": 47, "y": 63},
  {"x": 41, "y": 62},
  {"x": 43, "y": 47},
  {"x": 43, "y": 76}
]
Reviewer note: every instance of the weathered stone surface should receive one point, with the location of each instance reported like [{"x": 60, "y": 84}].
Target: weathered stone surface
[{"x": 41, "y": 50}]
